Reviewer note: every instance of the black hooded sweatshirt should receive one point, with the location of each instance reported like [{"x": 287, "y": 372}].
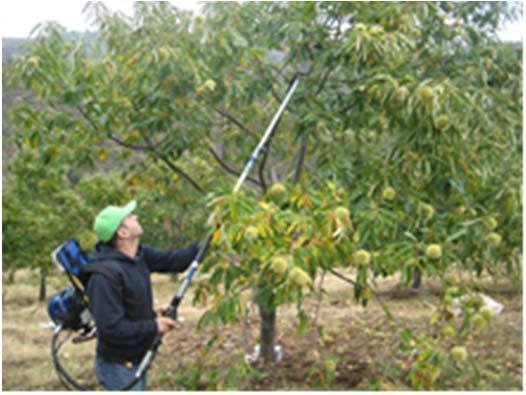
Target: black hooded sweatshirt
[{"x": 123, "y": 311}]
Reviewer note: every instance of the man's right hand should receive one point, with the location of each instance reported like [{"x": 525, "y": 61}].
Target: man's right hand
[{"x": 164, "y": 324}]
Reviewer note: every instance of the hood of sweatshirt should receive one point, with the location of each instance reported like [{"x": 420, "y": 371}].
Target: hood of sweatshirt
[{"x": 103, "y": 251}]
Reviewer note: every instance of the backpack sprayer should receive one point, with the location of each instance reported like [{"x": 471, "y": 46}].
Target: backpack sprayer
[{"x": 69, "y": 308}]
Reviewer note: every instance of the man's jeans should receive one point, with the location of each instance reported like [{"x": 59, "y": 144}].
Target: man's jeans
[{"x": 114, "y": 376}]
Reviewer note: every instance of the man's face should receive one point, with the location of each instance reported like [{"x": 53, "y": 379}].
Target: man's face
[{"x": 130, "y": 227}]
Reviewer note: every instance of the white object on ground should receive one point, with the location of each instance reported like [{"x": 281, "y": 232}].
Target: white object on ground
[
  {"x": 495, "y": 306},
  {"x": 251, "y": 358}
]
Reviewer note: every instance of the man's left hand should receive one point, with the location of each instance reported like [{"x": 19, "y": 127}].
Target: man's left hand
[{"x": 160, "y": 313}]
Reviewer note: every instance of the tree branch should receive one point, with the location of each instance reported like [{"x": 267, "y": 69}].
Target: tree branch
[
  {"x": 229, "y": 169},
  {"x": 351, "y": 81},
  {"x": 262, "y": 167},
  {"x": 316, "y": 315},
  {"x": 323, "y": 81},
  {"x": 375, "y": 294},
  {"x": 151, "y": 148},
  {"x": 87, "y": 117},
  {"x": 301, "y": 159},
  {"x": 281, "y": 70},
  {"x": 266, "y": 151},
  {"x": 127, "y": 145},
  {"x": 342, "y": 277},
  {"x": 179, "y": 171},
  {"x": 233, "y": 120},
  {"x": 112, "y": 138},
  {"x": 271, "y": 86},
  {"x": 170, "y": 164}
]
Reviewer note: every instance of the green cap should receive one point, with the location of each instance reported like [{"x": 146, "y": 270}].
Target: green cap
[{"x": 109, "y": 220}]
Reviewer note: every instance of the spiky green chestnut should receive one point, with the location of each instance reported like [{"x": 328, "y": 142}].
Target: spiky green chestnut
[
  {"x": 434, "y": 251},
  {"x": 494, "y": 239},
  {"x": 448, "y": 331},
  {"x": 459, "y": 354},
  {"x": 441, "y": 122},
  {"x": 389, "y": 193},
  {"x": 478, "y": 320},
  {"x": 486, "y": 312},
  {"x": 279, "y": 265},
  {"x": 362, "y": 257},
  {"x": 299, "y": 277},
  {"x": 490, "y": 223}
]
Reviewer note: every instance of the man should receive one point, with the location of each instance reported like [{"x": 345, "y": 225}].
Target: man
[{"x": 123, "y": 310}]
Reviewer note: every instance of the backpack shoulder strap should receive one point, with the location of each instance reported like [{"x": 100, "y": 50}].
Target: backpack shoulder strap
[{"x": 101, "y": 268}]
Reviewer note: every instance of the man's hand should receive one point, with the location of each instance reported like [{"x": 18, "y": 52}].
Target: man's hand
[{"x": 164, "y": 324}]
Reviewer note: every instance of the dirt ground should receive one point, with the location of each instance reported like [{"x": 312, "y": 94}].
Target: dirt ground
[{"x": 361, "y": 342}]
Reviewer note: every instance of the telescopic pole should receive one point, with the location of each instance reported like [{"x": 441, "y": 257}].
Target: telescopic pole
[{"x": 171, "y": 311}]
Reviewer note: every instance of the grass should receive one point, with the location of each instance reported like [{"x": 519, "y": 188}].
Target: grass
[{"x": 362, "y": 342}]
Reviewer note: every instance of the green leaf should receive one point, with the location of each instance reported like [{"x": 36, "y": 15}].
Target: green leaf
[{"x": 457, "y": 235}]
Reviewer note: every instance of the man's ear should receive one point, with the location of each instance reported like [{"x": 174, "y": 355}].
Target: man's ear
[{"x": 122, "y": 232}]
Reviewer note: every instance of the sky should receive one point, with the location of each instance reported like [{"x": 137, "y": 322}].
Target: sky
[{"x": 18, "y": 17}]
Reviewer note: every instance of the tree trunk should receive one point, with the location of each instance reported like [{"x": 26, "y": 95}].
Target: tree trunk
[
  {"x": 417, "y": 278},
  {"x": 219, "y": 144},
  {"x": 11, "y": 276},
  {"x": 301, "y": 159},
  {"x": 268, "y": 326},
  {"x": 42, "y": 292}
]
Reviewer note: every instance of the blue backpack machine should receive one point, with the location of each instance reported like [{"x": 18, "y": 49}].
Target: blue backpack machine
[{"x": 69, "y": 308}]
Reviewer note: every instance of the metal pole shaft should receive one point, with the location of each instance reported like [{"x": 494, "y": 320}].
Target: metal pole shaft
[
  {"x": 266, "y": 136},
  {"x": 171, "y": 311}
]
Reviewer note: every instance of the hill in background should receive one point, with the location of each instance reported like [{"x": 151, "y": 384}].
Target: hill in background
[{"x": 13, "y": 46}]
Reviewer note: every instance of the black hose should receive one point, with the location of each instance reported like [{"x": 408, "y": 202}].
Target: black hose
[
  {"x": 69, "y": 381},
  {"x": 63, "y": 375}
]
